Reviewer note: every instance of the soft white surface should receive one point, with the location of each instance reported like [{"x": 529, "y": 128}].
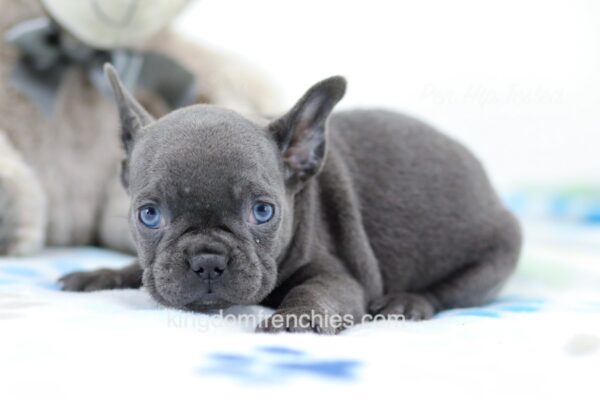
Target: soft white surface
[
  {"x": 518, "y": 81},
  {"x": 541, "y": 339}
]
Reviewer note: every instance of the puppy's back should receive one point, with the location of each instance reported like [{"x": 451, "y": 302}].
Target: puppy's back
[{"x": 426, "y": 201}]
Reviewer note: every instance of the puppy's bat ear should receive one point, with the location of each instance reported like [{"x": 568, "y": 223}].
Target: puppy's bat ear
[
  {"x": 131, "y": 113},
  {"x": 301, "y": 132}
]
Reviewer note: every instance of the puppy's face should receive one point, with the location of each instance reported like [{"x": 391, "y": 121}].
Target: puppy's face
[
  {"x": 210, "y": 211},
  {"x": 212, "y": 194}
]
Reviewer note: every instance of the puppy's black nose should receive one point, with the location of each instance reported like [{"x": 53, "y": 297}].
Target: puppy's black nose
[{"x": 208, "y": 265}]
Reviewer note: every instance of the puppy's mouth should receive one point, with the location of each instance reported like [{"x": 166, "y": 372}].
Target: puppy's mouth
[
  {"x": 246, "y": 279},
  {"x": 207, "y": 302}
]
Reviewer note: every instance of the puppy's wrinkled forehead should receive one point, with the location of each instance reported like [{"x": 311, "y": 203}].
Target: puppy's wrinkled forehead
[
  {"x": 204, "y": 152},
  {"x": 207, "y": 150}
]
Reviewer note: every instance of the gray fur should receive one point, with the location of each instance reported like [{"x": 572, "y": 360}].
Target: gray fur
[{"x": 375, "y": 212}]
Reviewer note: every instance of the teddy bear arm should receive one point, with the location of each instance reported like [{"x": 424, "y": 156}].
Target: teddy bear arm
[{"x": 23, "y": 215}]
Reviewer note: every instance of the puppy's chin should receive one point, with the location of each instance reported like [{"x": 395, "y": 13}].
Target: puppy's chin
[
  {"x": 208, "y": 302},
  {"x": 199, "y": 300}
]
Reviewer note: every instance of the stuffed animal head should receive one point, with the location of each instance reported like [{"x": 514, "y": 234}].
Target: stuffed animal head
[{"x": 109, "y": 24}]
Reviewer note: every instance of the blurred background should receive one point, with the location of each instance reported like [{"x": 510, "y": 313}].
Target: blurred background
[{"x": 516, "y": 81}]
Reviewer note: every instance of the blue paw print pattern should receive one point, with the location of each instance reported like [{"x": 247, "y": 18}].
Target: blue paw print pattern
[
  {"x": 577, "y": 204},
  {"x": 277, "y": 364},
  {"x": 500, "y": 308},
  {"x": 20, "y": 272},
  {"x": 43, "y": 270}
]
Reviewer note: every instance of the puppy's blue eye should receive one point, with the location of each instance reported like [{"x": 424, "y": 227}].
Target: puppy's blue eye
[
  {"x": 150, "y": 216},
  {"x": 262, "y": 212}
]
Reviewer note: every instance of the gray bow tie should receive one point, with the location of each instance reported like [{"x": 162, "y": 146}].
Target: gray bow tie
[{"x": 47, "y": 52}]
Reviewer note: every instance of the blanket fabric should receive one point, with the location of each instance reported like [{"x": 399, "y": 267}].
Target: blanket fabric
[{"x": 541, "y": 337}]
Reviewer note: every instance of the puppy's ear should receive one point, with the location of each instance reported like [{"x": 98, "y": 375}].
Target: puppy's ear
[
  {"x": 301, "y": 133},
  {"x": 133, "y": 116}
]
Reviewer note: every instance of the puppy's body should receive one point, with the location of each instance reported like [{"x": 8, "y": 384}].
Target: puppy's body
[
  {"x": 408, "y": 212},
  {"x": 396, "y": 219}
]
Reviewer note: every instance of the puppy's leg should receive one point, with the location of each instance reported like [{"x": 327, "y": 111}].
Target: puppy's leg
[
  {"x": 410, "y": 306},
  {"x": 126, "y": 278},
  {"x": 479, "y": 283},
  {"x": 318, "y": 299},
  {"x": 23, "y": 210},
  {"x": 470, "y": 286}
]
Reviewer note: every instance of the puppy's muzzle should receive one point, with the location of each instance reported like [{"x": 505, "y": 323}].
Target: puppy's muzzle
[{"x": 208, "y": 266}]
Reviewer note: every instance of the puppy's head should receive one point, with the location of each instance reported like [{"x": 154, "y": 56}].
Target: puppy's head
[{"x": 212, "y": 194}]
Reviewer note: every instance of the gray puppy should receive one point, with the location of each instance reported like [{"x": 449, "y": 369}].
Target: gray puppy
[{"x": 326, "y": 218}]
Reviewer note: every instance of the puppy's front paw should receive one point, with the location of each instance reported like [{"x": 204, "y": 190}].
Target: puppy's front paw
[
  {"x": 302, "y": 321},
  {"x": 410, "y": 306},
  {"x": 90, "y": 281}
]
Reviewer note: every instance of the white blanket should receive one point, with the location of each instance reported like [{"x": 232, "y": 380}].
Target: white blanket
[{"x": 540, "y": 339}]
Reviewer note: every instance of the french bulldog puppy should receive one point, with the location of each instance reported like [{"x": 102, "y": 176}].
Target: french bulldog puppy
[{"x": 318, "y": 215}]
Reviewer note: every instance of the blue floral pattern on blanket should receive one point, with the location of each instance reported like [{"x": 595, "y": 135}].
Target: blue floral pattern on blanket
[{"x": 275, "y": 364}]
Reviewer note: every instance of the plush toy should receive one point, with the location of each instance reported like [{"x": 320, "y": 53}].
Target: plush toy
[{"x": 59, "y": 144}]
